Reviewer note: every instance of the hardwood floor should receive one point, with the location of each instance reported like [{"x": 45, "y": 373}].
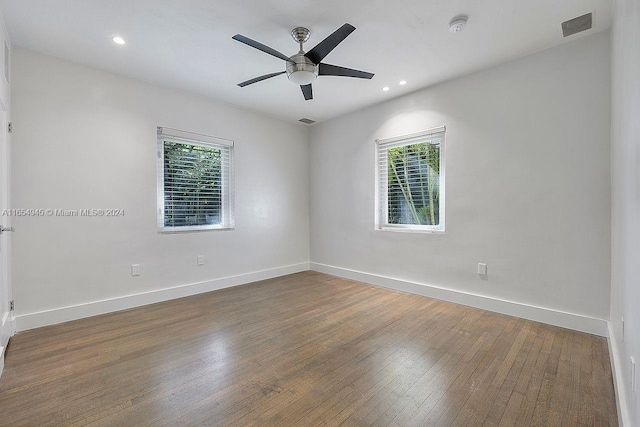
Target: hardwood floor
[{"x": 306, "y": 350}]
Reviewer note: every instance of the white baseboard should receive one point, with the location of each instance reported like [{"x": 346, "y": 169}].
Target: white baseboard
[
  {"x": 94, "y": 308},
  {"x": 563, "y": 319},
  {"x": 624, "y": 415},
  {"x": 6, "y": 328},
  {"x": 6, "y": 331}
]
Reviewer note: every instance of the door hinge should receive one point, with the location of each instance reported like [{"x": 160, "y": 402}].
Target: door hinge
[
  {"x": 10, "y": 127},
  {"x": 11, "y": 305}
]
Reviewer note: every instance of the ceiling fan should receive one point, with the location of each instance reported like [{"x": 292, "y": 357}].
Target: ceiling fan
[{"x": 303, "y": 68}]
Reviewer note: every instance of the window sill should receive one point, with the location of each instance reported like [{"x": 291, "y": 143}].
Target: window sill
[
  {"x": 411, "y": 230},
  {"x": 192, "y": 230}
]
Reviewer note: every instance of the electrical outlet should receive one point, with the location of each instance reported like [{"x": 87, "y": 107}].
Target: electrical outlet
[
  {"x": 135, "y": 269},
  {"x": 200, "y": 259},
  {"x": 633, "y": 374},
  {"x": 482, "y": 269}
]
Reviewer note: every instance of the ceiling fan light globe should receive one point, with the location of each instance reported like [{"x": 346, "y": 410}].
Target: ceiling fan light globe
[
  {"x": 302, "y": 77},
  {"x": 300, "y": 70}
]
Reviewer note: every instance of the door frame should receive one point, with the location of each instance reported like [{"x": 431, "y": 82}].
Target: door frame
[{"x": 7, "y": 317}]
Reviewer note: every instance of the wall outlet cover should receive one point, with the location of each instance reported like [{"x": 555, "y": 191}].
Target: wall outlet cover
[{"x": 482, "y": 269}]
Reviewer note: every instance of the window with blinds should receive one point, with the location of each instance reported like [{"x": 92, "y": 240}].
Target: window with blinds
[
  {"x": 410, "y": 182},
  {"x": 195, "y": 182}
]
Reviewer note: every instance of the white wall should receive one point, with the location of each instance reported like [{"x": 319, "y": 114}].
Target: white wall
[
  {"x": 625, "y": 197},
  {"x": 85, "y": 138},
  {"x": 527, "y": 185},
  {"x": 5, "y": 88}
]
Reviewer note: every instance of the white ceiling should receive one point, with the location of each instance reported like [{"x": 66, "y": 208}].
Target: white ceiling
[{"x": 187, "y": 44}]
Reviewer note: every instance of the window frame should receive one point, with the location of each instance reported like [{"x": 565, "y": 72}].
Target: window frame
[
  {"x": 381, "y": 194},
  {"x": 228, "y": 187}
]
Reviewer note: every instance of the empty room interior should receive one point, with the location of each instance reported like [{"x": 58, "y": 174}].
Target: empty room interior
[{"x": 336, "y": 213}]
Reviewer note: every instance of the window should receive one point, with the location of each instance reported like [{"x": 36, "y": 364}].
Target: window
[
  {"x": 195, "y": 182},
  {"x": 410, "y": 176}
]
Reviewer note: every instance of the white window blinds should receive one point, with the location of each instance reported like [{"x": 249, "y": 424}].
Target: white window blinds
[
  {"x": 410, "y": 182},
  {"x": 195, "y": 182}
]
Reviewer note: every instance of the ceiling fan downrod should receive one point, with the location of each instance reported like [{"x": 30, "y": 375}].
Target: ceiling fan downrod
[{"x": 300, "y": 35}]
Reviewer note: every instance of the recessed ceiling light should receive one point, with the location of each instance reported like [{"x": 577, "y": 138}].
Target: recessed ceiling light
[
  {"x": 386, "y": 88},
  {"x": 118, "y": 40},
  {"x": 402, "y": 82}
]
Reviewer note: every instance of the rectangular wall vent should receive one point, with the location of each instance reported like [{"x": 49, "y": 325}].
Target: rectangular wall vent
[
  {"x": 307, "y": 121},
  {"x": 576, "y": 25}
]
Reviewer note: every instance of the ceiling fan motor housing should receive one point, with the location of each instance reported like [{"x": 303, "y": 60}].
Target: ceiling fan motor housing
[{"x": 300, "y": 69}]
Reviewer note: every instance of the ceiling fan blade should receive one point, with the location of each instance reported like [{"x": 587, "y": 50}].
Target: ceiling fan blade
[
  {"x": 260, "y": 46},
  {"x": 307, "y": 91},
  {"x": 334, "y": 70},
  {"x": 323, "y": 48},
  {"x": 259, "y": 79}
]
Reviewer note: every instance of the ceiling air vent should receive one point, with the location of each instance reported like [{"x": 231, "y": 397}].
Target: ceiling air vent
[
  {"x": 575, "y": 25},
  {"x": 307, "y": 121}
]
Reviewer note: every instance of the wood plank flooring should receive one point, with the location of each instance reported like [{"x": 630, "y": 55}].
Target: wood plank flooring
[{"x": 306, "y": 350}]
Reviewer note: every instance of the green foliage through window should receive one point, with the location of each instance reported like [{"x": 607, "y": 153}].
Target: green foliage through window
[
  {"x": 413, "y": 190},
  {"x": 192, "y": 185}
]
